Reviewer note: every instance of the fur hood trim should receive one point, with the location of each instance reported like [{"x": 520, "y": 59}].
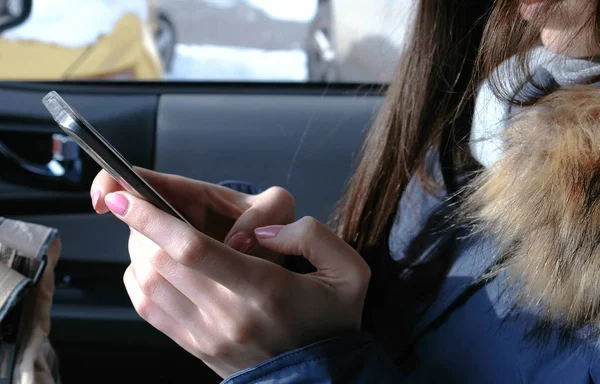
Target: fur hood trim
[{"x": 541, "y": 201}]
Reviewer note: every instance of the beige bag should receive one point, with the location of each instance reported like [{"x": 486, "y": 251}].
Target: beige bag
[{"x": 28, "y": 254}]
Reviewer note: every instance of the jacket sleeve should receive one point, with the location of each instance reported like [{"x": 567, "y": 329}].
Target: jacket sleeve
[
  {"x": 354, "y": 358},
  {"x": 241, "y": 186}
]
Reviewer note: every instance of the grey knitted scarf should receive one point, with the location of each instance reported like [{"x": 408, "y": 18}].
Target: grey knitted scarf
[{"x": 491, "y": 112}]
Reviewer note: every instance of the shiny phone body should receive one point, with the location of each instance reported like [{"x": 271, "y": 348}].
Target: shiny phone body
[{"x": 99, "y": 149}]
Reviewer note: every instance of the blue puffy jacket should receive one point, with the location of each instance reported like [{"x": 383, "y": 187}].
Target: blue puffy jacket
[{"x": 476, "y": 329}]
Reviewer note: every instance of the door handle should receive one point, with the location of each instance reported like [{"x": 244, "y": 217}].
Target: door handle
[{"x": 65, "y": 167}]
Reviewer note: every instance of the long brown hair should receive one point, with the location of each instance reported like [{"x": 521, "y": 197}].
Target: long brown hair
[
  {"x": 424, "y": 101},
  {"x": 429, "y": 104}
]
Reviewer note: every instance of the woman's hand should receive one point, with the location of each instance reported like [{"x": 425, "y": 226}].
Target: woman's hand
[
  {"x": 223, "y": 214},
  {"x": 232, "y": 310}
]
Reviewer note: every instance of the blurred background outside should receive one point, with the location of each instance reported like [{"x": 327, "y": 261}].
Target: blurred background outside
[{"x": 331, "y": 41}]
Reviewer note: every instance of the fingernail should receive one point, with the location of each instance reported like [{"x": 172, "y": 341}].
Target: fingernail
[
  {"x": 268, "y": 232},
  {"x": 95, "y": 198},
  {"x": 241, "y": 242},
  {"x": 117, "y": 203}
]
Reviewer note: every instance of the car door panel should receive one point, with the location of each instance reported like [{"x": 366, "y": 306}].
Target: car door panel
[{"x": 303, "y": 143}]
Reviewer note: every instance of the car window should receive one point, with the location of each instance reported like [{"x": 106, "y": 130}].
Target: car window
[{"x": 356, "y": 41}]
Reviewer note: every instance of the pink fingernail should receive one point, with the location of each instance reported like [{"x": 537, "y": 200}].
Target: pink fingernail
[
  {"x": 95, "y": 198},
  {"x": 241, "y": 242},
  {"x": 117, "y": 203},
  {"x": 268, "y": 232}
]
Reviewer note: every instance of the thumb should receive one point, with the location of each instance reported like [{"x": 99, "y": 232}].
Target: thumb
[
  {"x": 331, "y": 256},
  {"x": 274, "y": 206}
]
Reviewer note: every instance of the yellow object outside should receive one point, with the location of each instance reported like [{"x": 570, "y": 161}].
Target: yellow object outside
[{"x": 128, "y": 52}]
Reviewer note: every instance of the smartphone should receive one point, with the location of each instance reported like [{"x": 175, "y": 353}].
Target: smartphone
[{"x": 104, "y": 153}]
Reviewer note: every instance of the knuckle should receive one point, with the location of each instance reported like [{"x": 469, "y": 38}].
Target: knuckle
[
  {"x": 273, "y": 296},
  {"x": 131, "y": 244},
  {"x": 149, "y": 283},
  {"x": 193, "y": 249},
  {"x": 364, "y": 273},
  {"x": 159, "y": 259},
  {"x": 281, "y": 195},
  {"x": 242, "y": 333},
  {"x": 143, "y": 219},
  {"x": 197, "y": 345},
  {"x": 310, "y": 225},
  {"x": 361, "y": 277},
  {"x": 128, "y": 276},
  {"x": 282, "y": 202},
  {"x": 270, "y": 304},
  {"x": 144, "y": 308},
  {"x": 217, "y": 349}
]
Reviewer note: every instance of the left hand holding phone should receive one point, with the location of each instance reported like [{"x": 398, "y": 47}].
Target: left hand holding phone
[{"x": 229, "y": 309}]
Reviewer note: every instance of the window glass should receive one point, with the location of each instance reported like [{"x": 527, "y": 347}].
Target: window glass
[{"x": 356, "y": 41}]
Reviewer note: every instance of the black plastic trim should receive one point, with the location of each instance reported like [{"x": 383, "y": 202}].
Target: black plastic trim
[{"x": 185, "y": 87}]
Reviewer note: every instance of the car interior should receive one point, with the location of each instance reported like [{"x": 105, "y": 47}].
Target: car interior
[{"x": 300, "y": 136}]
